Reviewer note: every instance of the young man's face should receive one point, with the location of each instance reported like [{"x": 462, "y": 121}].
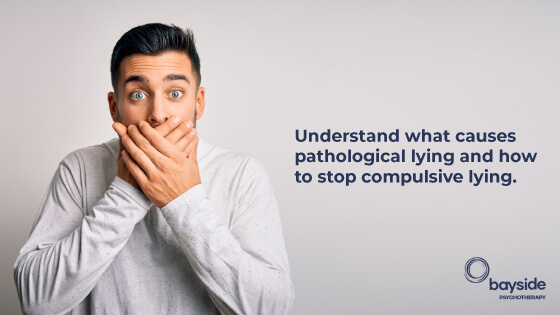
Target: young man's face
[{"x": 154, "y": 88}]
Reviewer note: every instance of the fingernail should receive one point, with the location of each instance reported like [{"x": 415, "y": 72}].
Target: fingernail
[
  {"x": 141, "y": 123},
  {"x": 124, "y": 137},
  {"x": 189, "y": 124},
  {"x": 175, "y": 119},
  {"x": 193, "y": 132},
  {"x": 130, "y": 127}
]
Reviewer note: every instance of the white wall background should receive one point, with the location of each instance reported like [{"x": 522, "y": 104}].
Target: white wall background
[{"x": 271, "y": 68}]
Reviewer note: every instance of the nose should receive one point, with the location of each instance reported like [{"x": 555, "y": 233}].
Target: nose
[{"x": 158, "y": 113}]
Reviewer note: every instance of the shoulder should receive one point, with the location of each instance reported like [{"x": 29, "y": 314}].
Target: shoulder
[
  {"x": 92, "y": 156},
  {"x": 88, "y": 164},
  {"x": 234, "y": 163},
  {"x": 236, "y": 176}
]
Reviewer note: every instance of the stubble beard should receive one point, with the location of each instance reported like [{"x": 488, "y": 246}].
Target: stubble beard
[{"x": 119, "y": 118}]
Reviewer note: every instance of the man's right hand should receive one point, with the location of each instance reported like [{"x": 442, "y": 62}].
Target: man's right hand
[{"x": 179, "y": 133}]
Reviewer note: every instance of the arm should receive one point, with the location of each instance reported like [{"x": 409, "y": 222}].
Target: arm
[
  {"x": 67, "y": 252},
  {"x": 244, "y": 267}
]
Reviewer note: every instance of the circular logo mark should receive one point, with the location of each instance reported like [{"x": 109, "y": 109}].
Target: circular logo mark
[{"x": 468, "y": 274}]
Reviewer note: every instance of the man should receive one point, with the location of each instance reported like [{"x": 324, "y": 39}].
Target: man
[{"x": 157, "y": 221}]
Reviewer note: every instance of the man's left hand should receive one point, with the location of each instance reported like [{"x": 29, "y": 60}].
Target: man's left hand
[{"x": 160, "y": 168}]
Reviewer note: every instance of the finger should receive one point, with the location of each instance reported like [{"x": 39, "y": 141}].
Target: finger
[
  {"x": 179, "y": 132},
  {"x": 138, "y": 155},
  {"x": 121, "y": 131},
  {"x": 165, "y": 128},
  {"x": 149, "y": 139},
  {"x": 119, "y": 128},
  {"x": 188, "y": 150},
  {"x": 186, "y": 140},
  {"x": 144, "y": 144},
  {"x": 193, "y": 155},
  {"x": 134, "y": 169}
]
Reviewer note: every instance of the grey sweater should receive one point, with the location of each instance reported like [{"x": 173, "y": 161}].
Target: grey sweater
[{"x": 100, "y": 246}]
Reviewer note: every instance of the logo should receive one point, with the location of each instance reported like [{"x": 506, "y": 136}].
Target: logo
[
  {"x": 470, "y": 276},
  {"x": 477, "y": 270}
]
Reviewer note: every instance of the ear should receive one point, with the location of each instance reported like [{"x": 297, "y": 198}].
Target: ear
[
  {"x": 200, "y": 102},
  {"x": 112, "y": 99}
]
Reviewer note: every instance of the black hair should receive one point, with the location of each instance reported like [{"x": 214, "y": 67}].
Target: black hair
[{"x": 154, "y": 39}]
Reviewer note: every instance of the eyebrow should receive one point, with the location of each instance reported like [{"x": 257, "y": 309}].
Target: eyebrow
[
  {"x": 169, "y": 77},
  {"x": 173, "y": 77},
  {"x": 134, "y": 78}
]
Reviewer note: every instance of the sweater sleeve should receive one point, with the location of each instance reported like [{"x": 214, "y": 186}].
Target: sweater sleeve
[
  {"x": 67, "y": 251},
  {"x": 244, "y": 266}
]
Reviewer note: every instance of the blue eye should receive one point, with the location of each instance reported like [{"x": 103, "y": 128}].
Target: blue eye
[
  {"x": 138, "y": 95},
  {"x": 176, "y": 94}
]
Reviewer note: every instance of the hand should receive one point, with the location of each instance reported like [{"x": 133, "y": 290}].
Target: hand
[
  {"x": 122, "y": 171},
  {"x": 179, "y": 134},
  {"x": 161, "y": 170}
]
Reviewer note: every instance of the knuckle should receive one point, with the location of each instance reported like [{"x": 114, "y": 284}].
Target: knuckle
[
  {"x": 162, "y": 165},
  {"x": 133, "y": 172},
  {"x": 165, "y": 168},
  {"x": 136, "y": 155},
  {"x": 183, "y": 130},
  {"x": 177, "y": 158},
  {"x": 143, "y": 145},
  {"x": 156, "y": 140},
  {"x": 154, "y": 178}
]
